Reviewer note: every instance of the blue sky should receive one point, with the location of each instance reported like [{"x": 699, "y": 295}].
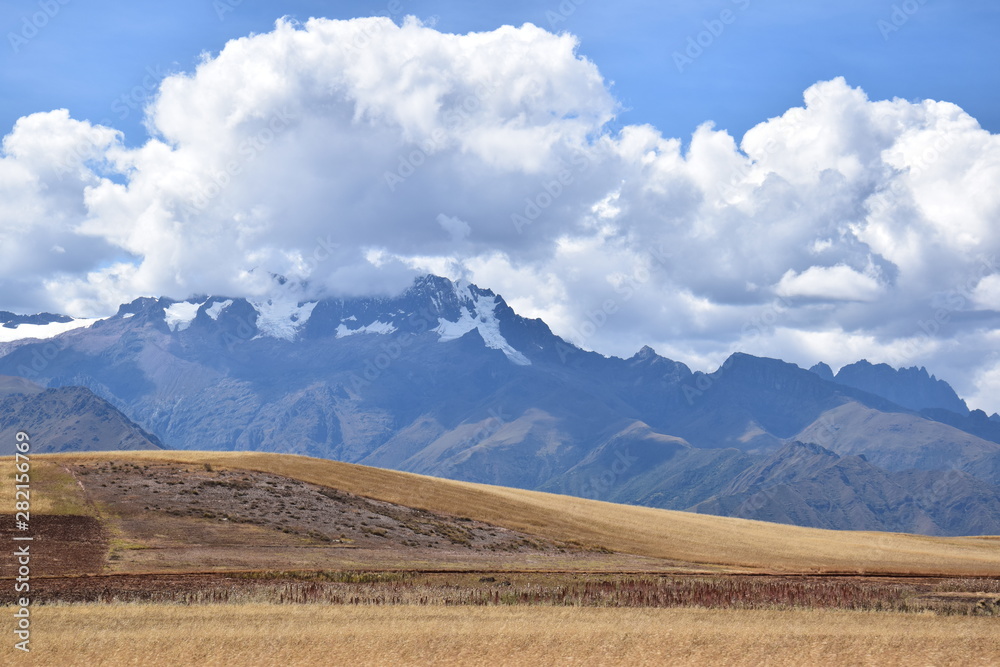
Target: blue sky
[
  {"x": 95, "y": 58},
  {"x": 817, "y": 221}
]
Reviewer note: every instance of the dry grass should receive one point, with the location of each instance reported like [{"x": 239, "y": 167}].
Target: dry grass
[
  {"x": 53, "y": 489},
  {"x": 321, "y": 635},
  {"x": 735, "y": 544},
  {"x": 408, "y": 618}
]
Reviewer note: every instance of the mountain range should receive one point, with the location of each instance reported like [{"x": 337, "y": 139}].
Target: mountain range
[
  {"x": 447, "y": 380},
  {"x": 65, "y": 419}
]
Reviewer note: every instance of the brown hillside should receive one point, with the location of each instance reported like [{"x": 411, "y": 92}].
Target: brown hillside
[{"x": 660, "y": 534}]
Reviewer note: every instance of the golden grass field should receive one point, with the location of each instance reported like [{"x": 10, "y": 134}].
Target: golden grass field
[
  {"x": 734, "y": 544},
  {"x": 289, "y": 635}
]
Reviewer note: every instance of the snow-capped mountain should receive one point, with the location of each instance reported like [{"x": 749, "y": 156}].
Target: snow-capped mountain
[
  {"x": 446, "y": 379},
  {"x": 42, "y": 325},
  {"x": 432, "y": 304}
]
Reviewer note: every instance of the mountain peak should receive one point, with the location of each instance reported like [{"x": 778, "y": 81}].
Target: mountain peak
[
  {"x": 12, "y": 321},
  {"x": 645, "y": 353},
  {"x": 823, "y": 370},
  {"x": 804, "y": 447},
  {"x": 442, "y": 295},
  {"x": 431, "y": 283},
  {"x": 749, "y": 363},
  {"x": 912, "y": 387},
  {"x": 40, "y": 326},
  {"x": 450, "y": 309}
]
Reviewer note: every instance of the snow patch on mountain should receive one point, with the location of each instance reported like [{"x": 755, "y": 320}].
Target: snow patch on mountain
[
  {"x": 279, "y": 318},
  {"x": 41, "y": 331},
  {"x": 376, "y": 327},
  {"x": 179, "y": 316},
  {"x": 478, "y": 312},
  {"x": 216, "y": 308}
]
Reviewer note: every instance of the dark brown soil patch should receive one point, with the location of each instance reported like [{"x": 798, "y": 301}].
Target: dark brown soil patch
[
  {"x": 320, "y": 515},
  {"x": 61, "y": 544}
]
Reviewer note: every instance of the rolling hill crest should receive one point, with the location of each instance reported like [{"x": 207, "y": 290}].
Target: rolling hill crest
[{"x": 446, "y": 379}]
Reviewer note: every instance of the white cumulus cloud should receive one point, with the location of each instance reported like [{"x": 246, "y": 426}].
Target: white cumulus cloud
[
  {"x": 838, "y": 283},
  {"x": 350, "y": 155}
]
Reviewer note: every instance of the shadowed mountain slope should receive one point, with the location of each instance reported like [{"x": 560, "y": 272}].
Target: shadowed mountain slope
[
  {"x": 446, "y": 379},
  {"x": 65, "y": 419}
]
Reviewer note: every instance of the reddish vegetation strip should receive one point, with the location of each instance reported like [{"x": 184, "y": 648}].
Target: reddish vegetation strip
[
  {"x": 108, "y": 588},
  {"x": 972, "y": 597},
  {"x": 675, "y": 574}
]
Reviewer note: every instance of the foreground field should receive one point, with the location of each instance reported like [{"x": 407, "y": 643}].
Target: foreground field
[
  {"x": 324, "y": 635},
  {"x": 265, "y": 559}
]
